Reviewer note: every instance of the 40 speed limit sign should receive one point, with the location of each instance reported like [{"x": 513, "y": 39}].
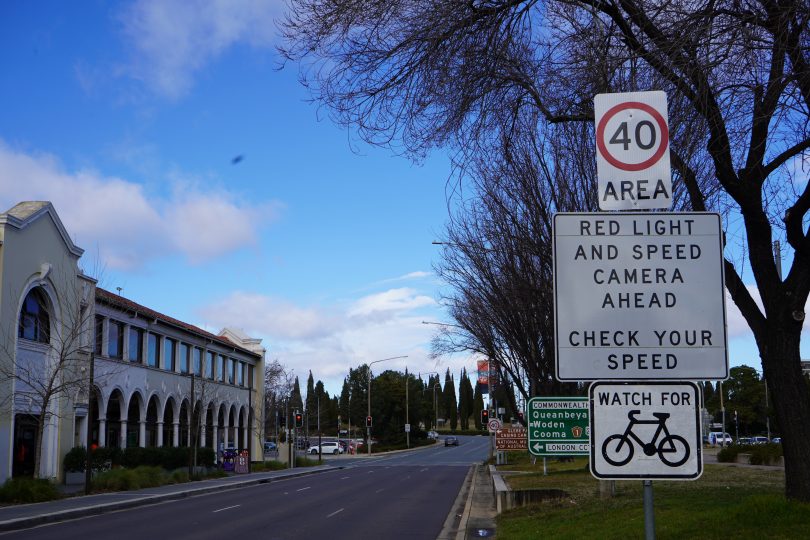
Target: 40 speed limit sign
[{"x": 632, "y": 151}]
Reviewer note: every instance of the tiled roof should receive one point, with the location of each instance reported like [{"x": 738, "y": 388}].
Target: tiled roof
[
  {"x": 121, "y": 302},
  {"x": 26, "y": 209}
]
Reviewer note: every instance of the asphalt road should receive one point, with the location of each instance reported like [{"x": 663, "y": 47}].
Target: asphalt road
[{"x": 402, "y": 495}]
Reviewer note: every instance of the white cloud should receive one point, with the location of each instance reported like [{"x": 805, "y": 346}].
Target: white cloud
[
  {"x": 276, "y": 318},
  {"x": 128, "y": 225},
  {"x": 330, "y": 339},
  {"x": 392, "y": 300},
  {"x": 175, "y": 39}
]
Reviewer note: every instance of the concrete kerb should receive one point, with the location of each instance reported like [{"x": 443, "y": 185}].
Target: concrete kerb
[
  {"x": 472, "y": 514},
  {"x": 186, "y": 491}
]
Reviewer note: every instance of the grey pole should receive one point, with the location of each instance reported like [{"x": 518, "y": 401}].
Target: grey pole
[
  {"x": 723, "y": 411},
  {"x": 407, "y": 419},
  {"x": 649, "y": 515},
  {"x": 88, "y": 466}
]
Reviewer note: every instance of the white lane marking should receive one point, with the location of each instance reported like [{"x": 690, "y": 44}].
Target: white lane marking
[
  {"x": 379, "y": 490},
  {"x": 423, "y": 470},
  {"x": 334, "y": 513},
  {"x": 302, "y": 489},
  {"x": 345, "y": 478},
  {"x": 226, "y": 508},
  {"x": 369, "y": 472}
]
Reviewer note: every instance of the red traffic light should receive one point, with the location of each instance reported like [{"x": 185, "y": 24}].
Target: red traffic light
[
  {"x": 299, "y": 420},
  {"x": 484, "y": 416},
  {"x": 368, "y": 421}
]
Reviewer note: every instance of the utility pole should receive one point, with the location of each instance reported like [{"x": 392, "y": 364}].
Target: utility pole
[
  {"x": 88, "y": 466},
  {"x": 407, "y": 418},
  {"x": 192, "y": 458}
]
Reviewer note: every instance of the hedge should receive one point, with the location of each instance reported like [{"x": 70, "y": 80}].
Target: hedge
[{"x": 167, "y": 457}]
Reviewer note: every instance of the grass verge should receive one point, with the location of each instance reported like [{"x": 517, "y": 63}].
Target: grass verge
[{"x": 726, "y": 501}]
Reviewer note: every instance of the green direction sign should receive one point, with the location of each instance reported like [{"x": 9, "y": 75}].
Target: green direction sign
[{"x": 558, "y": 426}]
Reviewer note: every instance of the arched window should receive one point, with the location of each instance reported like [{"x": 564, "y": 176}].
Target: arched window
[{"x": 35, "y": 323}]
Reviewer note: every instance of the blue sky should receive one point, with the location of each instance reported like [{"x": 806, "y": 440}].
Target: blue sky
[{"x": 127, "y": 116}]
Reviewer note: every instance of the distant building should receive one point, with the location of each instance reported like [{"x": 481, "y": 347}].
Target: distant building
[{"x": 54, "y": 319}]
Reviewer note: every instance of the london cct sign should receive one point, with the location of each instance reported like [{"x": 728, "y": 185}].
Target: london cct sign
[
  {"x": 558, "y": 426},
  {"x": 639, "y": 296}
]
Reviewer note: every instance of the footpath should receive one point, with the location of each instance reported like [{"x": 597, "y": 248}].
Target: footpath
[{"x": 471, "y": 516}]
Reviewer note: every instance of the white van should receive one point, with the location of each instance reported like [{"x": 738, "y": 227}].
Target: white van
[{"x": 719, "y": 438}]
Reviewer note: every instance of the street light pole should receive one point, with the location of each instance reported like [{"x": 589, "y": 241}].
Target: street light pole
[
  {"x": 436, "y": 406},
  {"x": 368, "y": 373},
  {"x": 407, "y": 418}
]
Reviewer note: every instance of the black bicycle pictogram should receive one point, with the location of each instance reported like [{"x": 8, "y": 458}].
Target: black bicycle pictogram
[{"x": 672, "y": 450}]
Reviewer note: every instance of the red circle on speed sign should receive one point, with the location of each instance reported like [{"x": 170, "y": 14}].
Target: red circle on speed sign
[{"x": 613, "y": 160}]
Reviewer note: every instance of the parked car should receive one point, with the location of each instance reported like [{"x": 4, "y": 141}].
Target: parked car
[
  {"x": 270, "y": 446},
  {"x": 433, "y": 435},
  {"x": 329, "y": 447},
  {"x": 776, "y": 440},
  {"x": 718, "y": 438},
  {"x": 759, "y": 440},
  {"x": 745, "y": 441},
  {"x": 451, "y": 441}
]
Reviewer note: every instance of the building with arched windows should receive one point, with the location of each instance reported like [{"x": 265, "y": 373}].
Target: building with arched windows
[{"x": 74, "y": 356}]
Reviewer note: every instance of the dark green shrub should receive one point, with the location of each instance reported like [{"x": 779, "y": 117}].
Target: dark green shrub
[
  {"x": 215, "y": 473},
  {"x": 179, "y": 476},
  {"x": 149, "y": 476},
  {"x": 765, "y": 454},
  {"x": 76, "y": 459},
  {"x": 271, "y": 465},
  {"x": 728, "y": 454},
  {"x": 133, "y": 457},
  {"x": 116, "y": 480},
  {"x": 28, "y": 490},
  {"x": 301, "y": 461},
  {"x": 174, "y": 457},
  {"x": 104, "y": 457},
  {"x": 130, "y": 479},
  {"x": 205, "y": 457}
]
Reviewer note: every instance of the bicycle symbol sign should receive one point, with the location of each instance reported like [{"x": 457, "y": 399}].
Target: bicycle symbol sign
[
  {"x": 649, "y": 430},
  {"x": 673, "y": 450}
]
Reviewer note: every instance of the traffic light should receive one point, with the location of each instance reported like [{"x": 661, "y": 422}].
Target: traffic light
[
  {"x": 484, "y": 417},
  {"x": 520, "y": 416},
  {"x": 299, "y": 420},
  {"x": 368, "y": 421}
]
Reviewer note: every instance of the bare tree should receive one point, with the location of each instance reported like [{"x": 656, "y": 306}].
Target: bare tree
[
  {"x": 497, "y": 259},
  {"x": 278, "y": 385},
  {"x": 47, "y": 352},
  {"x": 414, "y": 74},
  {"x": 201, "y": 390}
]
